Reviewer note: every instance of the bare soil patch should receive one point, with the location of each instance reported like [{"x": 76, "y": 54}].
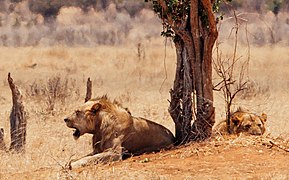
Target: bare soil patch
[{"x": 231, "y": 158}]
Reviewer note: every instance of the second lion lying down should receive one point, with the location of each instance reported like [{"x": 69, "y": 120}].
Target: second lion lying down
[
  {"x": 115, "y": 131},
  {"x": 243, "y": 121}
]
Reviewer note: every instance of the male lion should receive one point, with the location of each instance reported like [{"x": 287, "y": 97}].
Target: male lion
[
  {"x": 115, "y": 132},
  {"x": 245, "y": 122}
]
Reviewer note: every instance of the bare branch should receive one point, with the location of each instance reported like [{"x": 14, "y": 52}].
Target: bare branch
[
  {"x": 17, "y": 119},
  {"x": 169, "y": 19},
  {"x": 207, "y": 4},
  {"x": 231, "y": 72},
  {"x": 88, "y": 90}
]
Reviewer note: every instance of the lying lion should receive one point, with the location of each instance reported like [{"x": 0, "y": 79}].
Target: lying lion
[
  {"x": 115, "y": 132},
  {"x": 245, "y": 122}
]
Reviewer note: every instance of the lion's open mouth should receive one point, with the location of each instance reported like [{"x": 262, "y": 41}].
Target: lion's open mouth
[{"x": 76, "y": 134}]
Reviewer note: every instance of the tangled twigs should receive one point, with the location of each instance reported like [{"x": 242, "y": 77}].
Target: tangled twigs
[{"x": 278, "y": 146}]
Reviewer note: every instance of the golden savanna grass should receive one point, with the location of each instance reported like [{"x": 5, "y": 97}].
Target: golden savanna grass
[
  {"x": 139, "y": 73},
  {"x": 142, "y": 84},
  {"x": 115, "y": 71}
]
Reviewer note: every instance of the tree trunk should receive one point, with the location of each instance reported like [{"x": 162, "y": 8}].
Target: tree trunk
[
  {"x": 204, "y": 37},
  {"x": 192, "y": 93},
  {"x": 88, "y": 90},
  {"x": 17, "y": 120},
  {"x": 192, "y": 24},
  {"x": 181, "y": 101}
]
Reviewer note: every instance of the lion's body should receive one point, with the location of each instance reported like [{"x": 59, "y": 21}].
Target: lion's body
[
  {"x": 153, "y": 137},
  {"x": 135, "y": 135},
  {"x": 243, "y": 121},
  {"x": 114, "y": 128}
]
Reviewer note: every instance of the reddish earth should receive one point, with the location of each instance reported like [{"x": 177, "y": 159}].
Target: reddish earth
[
  {"x": 232, "y": 158},
  {"x": 215, "y": 160}
]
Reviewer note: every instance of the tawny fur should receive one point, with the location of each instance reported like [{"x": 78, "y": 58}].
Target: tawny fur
[
  {"x": 245, "y": 122},
  {"x": 115, "y": 131}
]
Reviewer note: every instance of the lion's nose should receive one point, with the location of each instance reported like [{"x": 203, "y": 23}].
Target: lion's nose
[
  {"x": 65, "y": 119},
  {"x": 256, "y": 133}
]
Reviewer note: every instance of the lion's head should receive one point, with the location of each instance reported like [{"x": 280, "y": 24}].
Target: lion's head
[
  {"x": 82, "y": 119},
  {"x": 249, "y": 123},
  {"x": 88, "y": 117}
]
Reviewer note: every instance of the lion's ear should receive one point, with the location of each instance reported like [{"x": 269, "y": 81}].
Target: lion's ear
[
  {"x": 264, "y": 117},
  {"x": 95, "y": 107}
]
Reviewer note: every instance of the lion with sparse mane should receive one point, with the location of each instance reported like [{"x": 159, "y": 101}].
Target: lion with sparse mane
[
  {"x": 243, "y": 121},
  {"x": 115, "y": 132}
]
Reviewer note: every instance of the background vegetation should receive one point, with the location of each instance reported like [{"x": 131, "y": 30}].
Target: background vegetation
[{"x": 91, "y": 22}]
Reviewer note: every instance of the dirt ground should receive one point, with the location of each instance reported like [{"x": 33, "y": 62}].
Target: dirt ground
[
  {"x": 209, "y": 160},
  {"x": 231, "y": 158}
]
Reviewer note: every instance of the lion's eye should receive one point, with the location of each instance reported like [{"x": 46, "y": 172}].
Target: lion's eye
[
  {"x": 77, "y": 112},
  {"x": 259, "y": 125},
  {"x": 93, "y": 111},
  {"x": 236, "y": 122},
  {"x": 247, "y": 126}
]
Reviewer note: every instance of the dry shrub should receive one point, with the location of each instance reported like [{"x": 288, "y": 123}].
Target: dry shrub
[
  {"x": 125, "y": 97},
  {"x": 140, "y": 51},
  {"x": 53, "y": 93},
  {"x": 255, "y": 89},
  {"x": 58, "y": 52}
]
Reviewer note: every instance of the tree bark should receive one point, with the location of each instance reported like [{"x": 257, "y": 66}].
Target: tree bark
[
  {"x": 192, "y": 93},
  {"x": 18, "y": 120},
  {"x": 175, "y": 103},
  {"x": 181, "y": 101},
  {"x": 88, "y": 90},
  {"x": 202, "y": 127}
]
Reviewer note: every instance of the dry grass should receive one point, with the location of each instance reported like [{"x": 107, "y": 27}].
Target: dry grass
[
  {"x": 135, "y": 83},
  {"x": 133, "y": 73},
  {"x": 120, "y": 73}
]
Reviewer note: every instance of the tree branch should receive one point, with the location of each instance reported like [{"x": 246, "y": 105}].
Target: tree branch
[
  {"x": 88, "y": 90},
  {"x": 207, "y": 4},
  {"x": 163, "y": 4}
]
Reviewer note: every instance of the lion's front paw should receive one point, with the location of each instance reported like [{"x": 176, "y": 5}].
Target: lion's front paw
[
  {"x": 69, "y": 164},
  {"x": 78, "y": 163}
]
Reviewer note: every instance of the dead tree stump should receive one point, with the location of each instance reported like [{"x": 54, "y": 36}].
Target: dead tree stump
[
  {"x": 88, "y": 90},
  {"x": 18, "y": 120},
  {"x": 2, "y": 143}
]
